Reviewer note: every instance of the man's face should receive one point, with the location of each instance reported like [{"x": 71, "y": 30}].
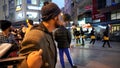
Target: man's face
[
  {"x": 10, "y": 28},
  {"x": 58, "y": 21}
]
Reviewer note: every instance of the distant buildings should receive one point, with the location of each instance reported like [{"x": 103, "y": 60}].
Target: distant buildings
[
  {"x": 4, "y": 11},
  {"x": 20, "y": 10},
  {"x": 67, "y": 8},
  {"x": 98, "y": 13}
]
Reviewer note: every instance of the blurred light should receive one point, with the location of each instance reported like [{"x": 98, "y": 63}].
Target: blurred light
[
  {"x": 0, "y": 30},
  {"x": 81, "y": 22},
  {"x": 32, "y": 14},
  {"x": 97, "y": 20},
  {"x": 20, "y": 15},
  {"x": 18, "y": 8},
  {"x": 34, "y": 7},
  {"x": 27, "y": 20},
  {"x": 104, "y": 27},
  {"x": 36, "y": 22}
]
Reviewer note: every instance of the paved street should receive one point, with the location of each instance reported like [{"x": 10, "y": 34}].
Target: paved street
[{"x": 94, "y": 56}]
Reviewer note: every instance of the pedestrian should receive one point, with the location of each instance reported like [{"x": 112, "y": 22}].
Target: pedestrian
[
  {"x": 106, "y": 38},
  {"x": 77, "y": 36},
  {"x": 63, "y": 39},
  {"x": 72, "y": 30},
  {"x": 92, "y": 36},
  {"x": 83, "y": 36},
  {"x": 7, "y": 37},
  {"x": 29, "y": 25},
  {"x": 40, "y": 37}
]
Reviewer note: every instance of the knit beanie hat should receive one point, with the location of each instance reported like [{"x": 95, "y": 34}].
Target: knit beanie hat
[
  {"x": 49, "y": 11},
  {"x": 4, "y": 24}
]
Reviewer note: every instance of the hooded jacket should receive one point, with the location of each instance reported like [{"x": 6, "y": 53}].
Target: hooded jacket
[{"x": 39, "y": 38}]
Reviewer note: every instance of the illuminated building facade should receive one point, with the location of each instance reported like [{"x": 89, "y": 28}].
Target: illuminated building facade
[
  {"x": 28, "y": 9},
  {"x": 20, "y": 10}
]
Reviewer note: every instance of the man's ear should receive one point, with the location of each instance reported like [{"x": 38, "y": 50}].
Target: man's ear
[{"x": 56, "y": 18}]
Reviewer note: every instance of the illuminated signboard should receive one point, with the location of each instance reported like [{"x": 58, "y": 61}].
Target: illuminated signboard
[
  {"x": 34, "y": 7},
  {"x": 32, "y": 15},
  {"x": 18, "y": 8},
  {"x": 32, "y": 2},
  {"x": 19, "y": 5}
]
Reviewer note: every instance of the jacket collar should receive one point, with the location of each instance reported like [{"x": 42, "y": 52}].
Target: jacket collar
[{"x": 42, "y": 27}]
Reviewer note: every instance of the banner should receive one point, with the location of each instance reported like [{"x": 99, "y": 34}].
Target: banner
[{"x": 95, "y": 12}]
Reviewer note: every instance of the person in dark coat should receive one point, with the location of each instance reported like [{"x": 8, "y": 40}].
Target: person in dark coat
[
  {"x": 77, "y": 35},
  {"x": 106, "y": 38},
  {"x": 92, "y": 36},
  {"x": 83, "y": 36},
  {"x": 63, "y": 39}
]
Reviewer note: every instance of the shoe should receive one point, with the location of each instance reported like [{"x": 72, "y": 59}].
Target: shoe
[
  {"x": 74, "y": 67},
  {"x": 82, "y": 44}
]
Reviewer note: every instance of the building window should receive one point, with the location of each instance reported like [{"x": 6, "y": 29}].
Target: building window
[
  {"x": 101, "y": 4},
  {"x": 19, "y": 2},
  {"x": 32, "y": 2},
  {"x": 19, "y": 16},
  {"x": 32, "y": 15},
  {"x": 118, "y": 15},
  {"x": 11, "y": 5},
  {"x": 108, "y": 2},
  {"x": 41, "y": 4},
  {"x": 115, "y": 16}
]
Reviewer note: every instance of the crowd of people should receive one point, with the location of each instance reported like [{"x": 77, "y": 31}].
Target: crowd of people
[
  {"x": 80, "y": 37},
  {"x": 37, "y": 42}
]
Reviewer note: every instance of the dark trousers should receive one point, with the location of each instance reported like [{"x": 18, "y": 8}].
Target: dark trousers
[
  {"x": 61, "y": 53},
  {"x": 78, "y": 40},
  {"x": 92, "y": 41},
  {"x": 106, "y": 41},
  {"x": 83, "y": 43}
]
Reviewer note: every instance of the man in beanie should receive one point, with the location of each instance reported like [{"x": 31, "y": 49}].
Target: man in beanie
[{"x": 40, "y": 38}]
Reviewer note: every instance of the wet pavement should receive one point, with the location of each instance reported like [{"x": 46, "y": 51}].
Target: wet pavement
[{"x": 94, "y": 56}]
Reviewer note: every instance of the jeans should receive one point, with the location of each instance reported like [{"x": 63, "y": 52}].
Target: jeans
[{"x": 61, "y": 53}]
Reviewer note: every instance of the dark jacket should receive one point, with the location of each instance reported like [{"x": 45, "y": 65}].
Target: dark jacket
[
  {"x": 76, "y": 33},
  {"x": 105, "y": 33},
  {"x": 82, "y": 33},
  {"x": 39, "y": 38},
  {"x": 11, "y": 40},
  {"x": 63, "y": 37},
  {"x": 92, "y": 32}
]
